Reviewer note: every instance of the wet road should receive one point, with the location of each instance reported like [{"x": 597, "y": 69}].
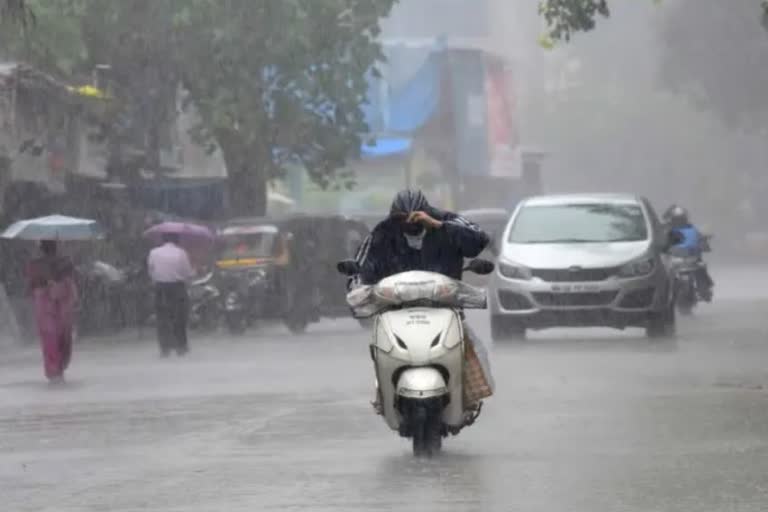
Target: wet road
[{"x": 592, "y": 421}]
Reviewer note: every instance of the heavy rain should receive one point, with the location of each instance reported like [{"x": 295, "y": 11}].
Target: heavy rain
[{"x": 414, "y": 255}]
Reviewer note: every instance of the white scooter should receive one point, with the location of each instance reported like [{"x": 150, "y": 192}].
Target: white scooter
[{"x": 418, "y": 349}]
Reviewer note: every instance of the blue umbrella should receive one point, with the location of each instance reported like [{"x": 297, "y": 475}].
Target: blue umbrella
[{"x": 54, "y": 227}]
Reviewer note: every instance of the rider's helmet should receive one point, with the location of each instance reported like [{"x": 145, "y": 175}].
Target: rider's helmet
[
  {"x": 676, "y": 216},
  {"x": 406, "y": 202}
]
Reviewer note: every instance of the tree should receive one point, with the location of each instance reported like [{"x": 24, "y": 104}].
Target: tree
[
  {"x": 280, "y": 81},
  {"x": 16, "y": 12},
  {"x": 566, "y": 17},
  {"x": 276, "y": 81}
]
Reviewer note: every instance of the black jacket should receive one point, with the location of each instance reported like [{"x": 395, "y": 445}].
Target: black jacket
[{"x": 385, "y": 251}]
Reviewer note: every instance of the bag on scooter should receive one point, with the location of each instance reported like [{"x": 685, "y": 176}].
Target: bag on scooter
[{"x": 478, "y": 381}]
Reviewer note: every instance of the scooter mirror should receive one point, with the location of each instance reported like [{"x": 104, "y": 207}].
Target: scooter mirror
[
  {"x": 348, "y": 267},
  {"x": 480, "y": 267}
]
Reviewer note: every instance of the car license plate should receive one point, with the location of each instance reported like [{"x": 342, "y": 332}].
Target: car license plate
[{"x": 575, "y": 288}]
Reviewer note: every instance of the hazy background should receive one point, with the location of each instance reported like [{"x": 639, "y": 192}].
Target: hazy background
[{"x": 605, "y": 106}]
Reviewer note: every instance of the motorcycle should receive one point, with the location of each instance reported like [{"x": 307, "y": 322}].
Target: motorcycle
[
  {"x": 102, "y": 291},
  {"x": 686, "y": 268},
  {"x": 418, "y": 350},
  {"x": 205, "y": 304},
  {"x": 241, "y": 291}
]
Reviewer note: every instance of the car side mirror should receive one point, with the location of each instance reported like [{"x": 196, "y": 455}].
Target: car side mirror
[
  {"x": 480, "y": 267},
  {"x": 348, "y": 267}
]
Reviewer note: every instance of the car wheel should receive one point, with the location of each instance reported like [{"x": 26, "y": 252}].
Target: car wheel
[
  {"x": 506, "y": 329},
  {"x": 297, "y": 325},
  {"x": 662, "y": 325},
  {"x": 685, "y": 308}
]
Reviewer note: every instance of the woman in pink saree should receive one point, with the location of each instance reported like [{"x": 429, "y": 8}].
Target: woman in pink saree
[{"x": 54, "y": 294}]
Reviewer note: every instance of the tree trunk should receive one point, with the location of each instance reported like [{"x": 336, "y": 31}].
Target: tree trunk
[
  {"x": 247, "y": 181},
  {"x": 247, "y": 192}
]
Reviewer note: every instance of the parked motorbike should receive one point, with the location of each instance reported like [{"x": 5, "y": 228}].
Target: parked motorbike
[
  {"x": 102, "y": 289},
  {"x": 243, "y": 293},
  {"x": 205, "y": 309},
  {"x": 418, "y": 350}
]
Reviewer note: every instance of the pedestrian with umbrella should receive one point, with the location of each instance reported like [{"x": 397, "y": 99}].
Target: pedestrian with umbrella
[
  {"x": 51, "y": 283},
  {"x": 170, "y": 270}
]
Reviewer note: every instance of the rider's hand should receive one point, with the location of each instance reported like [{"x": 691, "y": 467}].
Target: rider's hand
[{"x": 424, "y": 219}]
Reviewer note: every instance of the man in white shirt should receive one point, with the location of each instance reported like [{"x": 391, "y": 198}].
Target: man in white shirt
[{"x": 170, "y": 270}]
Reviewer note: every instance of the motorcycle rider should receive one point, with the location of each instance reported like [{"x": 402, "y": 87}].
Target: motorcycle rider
[
  {"x": 694, "y": 243},
  {"x": 416, "y": 236}
]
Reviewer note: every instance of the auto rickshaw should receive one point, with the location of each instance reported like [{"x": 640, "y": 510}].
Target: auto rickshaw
[
  {"x": 282, "y": 268},
  {"x": 251, "y": 269}
]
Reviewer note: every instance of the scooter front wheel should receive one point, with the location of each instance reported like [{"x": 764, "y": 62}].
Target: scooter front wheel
[{"x": 427, "y": 431}]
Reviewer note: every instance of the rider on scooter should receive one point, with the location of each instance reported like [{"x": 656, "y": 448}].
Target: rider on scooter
[
  {"x": 416, "y": 236},
  {"x": 694, "y": 243}
]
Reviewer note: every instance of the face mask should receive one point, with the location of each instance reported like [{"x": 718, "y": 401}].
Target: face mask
[{"x": 415, "y": 241}]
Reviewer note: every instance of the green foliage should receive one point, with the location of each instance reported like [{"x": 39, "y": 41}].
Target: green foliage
[
  {"x": 48, "y": 36},
  {"x": 276, "y": 81},
  {"x": 566, "y": 17},
  {"x": 16, "y": 12},
  {"x": 287, "y": 77}
]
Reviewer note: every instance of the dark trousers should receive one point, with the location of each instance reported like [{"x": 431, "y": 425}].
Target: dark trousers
[{"x": 172, "y": 309}]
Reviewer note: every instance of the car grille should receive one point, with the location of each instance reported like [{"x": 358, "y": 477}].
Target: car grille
[
  {"x": 575, "y": 299},
  {"x": 638, "y": 299},
  {"x": 513, "y": 302},
  {"x": 571, "y": 276}
]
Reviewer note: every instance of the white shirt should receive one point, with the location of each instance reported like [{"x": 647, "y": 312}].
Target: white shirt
[{"x": 169, "y": 263}]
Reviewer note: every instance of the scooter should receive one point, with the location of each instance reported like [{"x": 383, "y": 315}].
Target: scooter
[{"x": 418, "y": 350}]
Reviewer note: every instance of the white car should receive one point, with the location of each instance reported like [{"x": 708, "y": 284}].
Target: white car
[{"x": 583, "y": 260}]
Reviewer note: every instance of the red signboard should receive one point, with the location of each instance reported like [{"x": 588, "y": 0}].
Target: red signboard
[{"x": 502, "y": 133}]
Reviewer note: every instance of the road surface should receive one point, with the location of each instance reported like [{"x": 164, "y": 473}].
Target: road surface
[{"x": 583, "y": 421}]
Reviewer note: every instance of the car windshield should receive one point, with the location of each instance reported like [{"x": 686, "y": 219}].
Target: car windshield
[
  {"x": 579, "y": 223},
  {"x": 253, "y": 245}
]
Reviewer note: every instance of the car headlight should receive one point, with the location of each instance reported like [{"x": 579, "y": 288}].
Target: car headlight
[
  {"x": 513, "y": 271},
  {"x": 638, "y": 268}
]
